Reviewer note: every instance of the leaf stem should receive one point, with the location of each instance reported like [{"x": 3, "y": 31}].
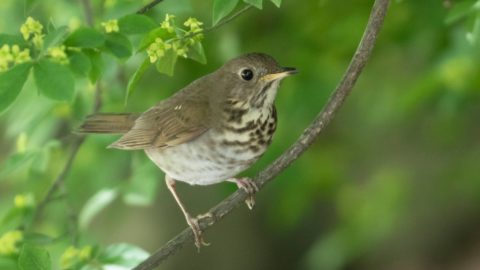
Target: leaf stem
[{"x": 148, "y": 6}]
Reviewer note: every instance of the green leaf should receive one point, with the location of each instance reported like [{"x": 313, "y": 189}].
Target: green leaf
[
  {"x": 97, "y": 65},
  {"x": 277, "y": 2},
  {"x": 197, "y": 53},
  {"x": 255, "y": 3},
  {"x": 222, "y": 8},
  {"x": 55, "y": 37},
  {"x": 54, "y": 80},
  {"x": 135, "y": 24},
  {"x": 41, "y": 157},
  {"x": 40, "y": 161},
  {"x": 15, "y": 162},
  {"x": 460, "y": 10},
  {"x": 119, "y": 45},
  {"x": 13, "y": 217},
  {"x": 8, "y": 263},
  {"x": 80, "y": 63},
  {"x": 152, "y": 35},
  {"x": 474, "y": 36},
  {"x": 12, "y": 40},
  {"x": 133, "y": 81},
  {"x": 34, "y": 258},
  {"x": 37, "y": 238},
  {"x": 86, "y": 38},
  {"x": 125, "y": 255},
  {"x": 96, "y": 204},
  {"x": 141, "y": 188},
  {"x": 166, "y": 64},
  {"x": 11, "y": 83}
]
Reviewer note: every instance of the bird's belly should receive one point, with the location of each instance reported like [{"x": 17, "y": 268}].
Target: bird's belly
[{"x": 203, "y": 161}]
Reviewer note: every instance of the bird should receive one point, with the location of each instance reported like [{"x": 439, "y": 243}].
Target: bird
[{"x": 209, "y": 131}]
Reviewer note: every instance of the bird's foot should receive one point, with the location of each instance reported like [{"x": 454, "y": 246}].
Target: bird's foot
[
  {"x": 249, "y": 187},
  {"x": 197, "y": 231}
]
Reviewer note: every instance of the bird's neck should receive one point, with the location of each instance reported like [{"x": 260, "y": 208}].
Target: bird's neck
[{"x": 265, "y": 98}]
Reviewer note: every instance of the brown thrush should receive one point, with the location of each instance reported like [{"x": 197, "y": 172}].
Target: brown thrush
[{"x": 209, "y": 131}]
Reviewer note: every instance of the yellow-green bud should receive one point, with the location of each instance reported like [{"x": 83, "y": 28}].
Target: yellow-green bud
[
  {"x": 20, "y": 56},
  {"x": 38, "y": 40},
  {"x": 194, "y": 24},
  {"x": 22, "y": 201},
  {"x": 85, "y": 253},
  {"x": 6, "y": 57},
  {"x": 13, "y": 55},
  {"x": 167, "y": 24},
  {"x": 180, "y": 49},
  {"x": 58, "y": 54},
  {"x": 69, "y": 257},
  {"x": 9, "y": 242},
  {"x": 73, "y": 255},
  {"x": 157, "y": 49},
  {"x": 111, "y": 26},
  {"x": 22, "y": 142},
  {"x": 31, "y": 26},
  {"x": 23, "y": 56},
  {"x": 74, "y": 23}
]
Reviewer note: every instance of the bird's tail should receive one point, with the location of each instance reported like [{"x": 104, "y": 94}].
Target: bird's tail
[{"x": 108, "y": 123}]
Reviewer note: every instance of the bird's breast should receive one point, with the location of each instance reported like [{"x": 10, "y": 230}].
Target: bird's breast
[
  {"x": 249, "y": 132},
  {"x": 221, "y": 152}
]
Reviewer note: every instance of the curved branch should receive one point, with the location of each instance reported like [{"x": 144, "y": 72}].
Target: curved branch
[
  {"x": 336, "y": 100},
  {"x": 148, "y": 6}
]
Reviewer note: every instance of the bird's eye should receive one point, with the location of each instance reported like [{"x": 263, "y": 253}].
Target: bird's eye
[{"x": 246, "y": 74}]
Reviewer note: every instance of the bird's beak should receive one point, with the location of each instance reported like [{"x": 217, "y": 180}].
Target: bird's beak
[{"x": 286, "y": 71}]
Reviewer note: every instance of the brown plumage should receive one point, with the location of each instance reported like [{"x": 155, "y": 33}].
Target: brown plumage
[
  {"x": 108, "y": 123},
  {"x": 209, "y": 131}
]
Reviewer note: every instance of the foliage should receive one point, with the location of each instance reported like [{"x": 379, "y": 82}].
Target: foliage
[
  {"x": 396, "y": 174},
  {"x": 60, "y": 58}
]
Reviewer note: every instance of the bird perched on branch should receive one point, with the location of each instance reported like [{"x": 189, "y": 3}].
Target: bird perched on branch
[{"x": 208, "y": 132}]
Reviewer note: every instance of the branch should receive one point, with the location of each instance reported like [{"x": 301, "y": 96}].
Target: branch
[
  {"x": 60, "y": 178},
  {"x": 336, "y": 100},
  {"x": 221, "y": 23},
  {"x": 79, "y": 139},
  {"x": 148, "y": 6},
  {"x": 87, "y": 7},
  {"x": 227, "y": 19}
]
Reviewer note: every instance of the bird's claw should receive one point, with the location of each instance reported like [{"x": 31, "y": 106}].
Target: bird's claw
[
  {"x": 250, "y": 188},
  {"x": 197, "y": 231}
]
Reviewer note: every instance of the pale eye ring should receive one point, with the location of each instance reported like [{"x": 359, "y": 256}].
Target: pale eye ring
[{"x": 246, "y": 74}]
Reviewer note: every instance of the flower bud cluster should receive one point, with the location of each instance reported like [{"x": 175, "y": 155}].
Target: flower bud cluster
[
  {"x": 111, "y": 26},
  {"x": 33, "y": 29},
  {"x": 11, "y": 55},
  {"x": 181, "y": 43}
]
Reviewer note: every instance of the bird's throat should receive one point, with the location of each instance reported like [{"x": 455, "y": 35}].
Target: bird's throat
[{"x": 266, "y": 96}]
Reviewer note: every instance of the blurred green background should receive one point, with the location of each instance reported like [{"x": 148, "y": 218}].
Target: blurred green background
[{"x": 394, "y": 182}]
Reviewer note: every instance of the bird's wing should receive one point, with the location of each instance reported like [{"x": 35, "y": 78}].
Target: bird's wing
[{"x": 169, "y": 123}]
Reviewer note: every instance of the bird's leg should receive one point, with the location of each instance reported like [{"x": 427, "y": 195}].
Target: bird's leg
[
  {"x": 192, "y": 222},
  {"x": 249, "y": 187}
]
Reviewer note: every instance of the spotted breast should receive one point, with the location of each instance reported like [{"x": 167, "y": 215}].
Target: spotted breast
[{"x": 221, "y": 152}]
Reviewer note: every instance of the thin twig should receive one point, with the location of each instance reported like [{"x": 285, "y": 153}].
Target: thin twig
[
  {"x": 78, "y": 141},
  {"x": 221, "y": 23},
  {"x": 88, "y": 10},
  {"x": 345, "y": 86},
  {"x": 148, "y": 6},
  {"x": 60, "y": 178},
  {"x": 228, "y": 19}
]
